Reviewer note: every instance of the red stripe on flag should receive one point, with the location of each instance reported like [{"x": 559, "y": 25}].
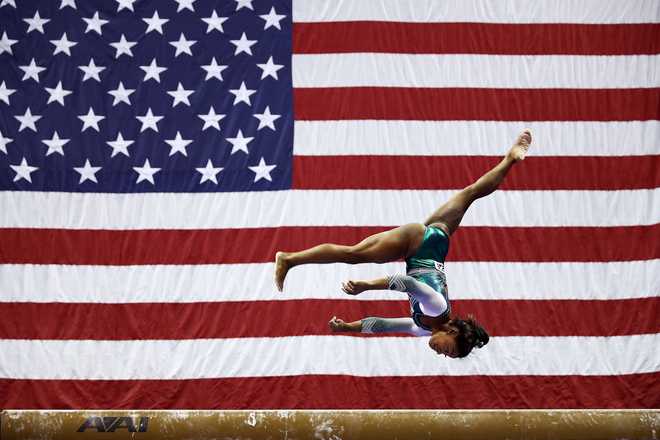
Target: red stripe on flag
[
  {"x": 403, "y": 103},
  {"x": 225, "y": 246},
  {"x": 454, "y": 172},
  {"x": 476, "y": 38},
  {"x": 337, "y": 392},
  {"x": 310, "y": 317}
]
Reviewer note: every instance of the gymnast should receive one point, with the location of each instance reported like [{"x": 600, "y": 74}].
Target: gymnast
[{"x": 424, "y": 247}]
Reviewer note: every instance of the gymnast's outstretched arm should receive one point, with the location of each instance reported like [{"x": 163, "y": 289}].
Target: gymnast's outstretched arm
[
  {"x": 375, "y": 324},
  {"x": 356, "y": 287},
  {"x": 433, "y": 303}
]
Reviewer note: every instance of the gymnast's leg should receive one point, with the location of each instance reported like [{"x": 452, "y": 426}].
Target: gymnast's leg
[
  {"x": 378, "y": 248},
  {"x": 404, "y": 240},
  {"x": 449, "y": 215}
]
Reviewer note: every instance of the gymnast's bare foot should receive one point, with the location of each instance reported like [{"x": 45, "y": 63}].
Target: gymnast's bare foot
[
  {"x": 281, "y": 268},
  {"x": 519, "y": 149}
]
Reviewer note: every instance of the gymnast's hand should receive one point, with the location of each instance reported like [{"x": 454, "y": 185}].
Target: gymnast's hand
[
  {"x": 337, "y": 325},
  {"x": 353, "y": 287}
]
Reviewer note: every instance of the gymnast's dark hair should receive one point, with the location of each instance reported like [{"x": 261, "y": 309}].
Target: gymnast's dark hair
[{"x": 470, "y": 335}]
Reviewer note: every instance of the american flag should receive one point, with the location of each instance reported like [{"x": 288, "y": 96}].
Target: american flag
[{"x": 155, "y": 154}]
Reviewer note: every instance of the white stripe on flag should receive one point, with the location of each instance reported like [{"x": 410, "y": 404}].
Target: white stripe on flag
[
  {"x": 33, "y": 209},
  {"x": 254, "y": 282},
  {"x": 474, "y": 138},
  {"x": 385, "y": 356},
  {"x": 470, "y": 11},
  {"x": 484, "y": 71}
]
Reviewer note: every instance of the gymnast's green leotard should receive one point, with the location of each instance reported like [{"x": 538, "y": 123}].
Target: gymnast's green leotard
[
  {"x": 425, "y": 284},
  {"x": 427, "y": 266},
  {"x": 431, "y": 252}
]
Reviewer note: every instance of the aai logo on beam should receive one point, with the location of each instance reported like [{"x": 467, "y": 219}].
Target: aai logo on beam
[{"x": 111, "y": 424}]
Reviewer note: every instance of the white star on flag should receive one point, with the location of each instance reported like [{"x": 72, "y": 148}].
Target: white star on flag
[
  {"x": 244, "y": 4},
  {"x": 149, "y": 121},
  {"x": 23, "y": 171},
  {"x": 6, "y": 43},
  {"x": 121, "y": 94},
  {"x": 90, "y": 120},
  {"x": 123, "y": 46},
  {"x": 243, "y": 45},
  {"x": 242, "y": 94},
  {"x": 55, "y": 144},
  {"x": 32, "y": 71},
  {"x": 239, "y": 143},
  {"x": 183, "y": 45},
  {"x": 8, "y": 2},
  {"x": 91, "y": 71},
  {"x": 87, "y": 172},
  {"x": 5, "y": 93},
  {"x": 28, "y": 120},
  {"x": 57, "y": 94},
  {"x": 36, "y": 23},
  {"x": 214, "y": 22},
  {"x": 178, "y": 144},
  {"x": 155, "y": 23},
  {"x": 266, "y": 119},
  {"x": 69, "y": 3},
  {"x": 94, "y": 23},
  {"x": 63, "y": 45},
  {"x": 185, "y": 4},
  {"x": 3, "y": 143},
  {"x": 120, "y": 145},
  {"x": 270, "y": 68},
  {"x": 211, "y": 119},
  {"x": 125, "y": 4},
  {"x": 146, "y": 172},
  {"x": 213, "y": 70},
  {"x": 272, "y": 19},
  {"x": 180, "y": 95},
  {"x": 209, "y": 172},
  {"x": 152, "y": 71},
  {"x": 262, "y": 171}
]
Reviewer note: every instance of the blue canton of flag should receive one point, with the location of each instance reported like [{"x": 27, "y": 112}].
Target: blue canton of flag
[{"x": 142, "y": 96}]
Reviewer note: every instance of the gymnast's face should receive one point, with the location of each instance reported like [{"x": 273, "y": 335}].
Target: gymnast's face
[{"x": 444, "y": 341}]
